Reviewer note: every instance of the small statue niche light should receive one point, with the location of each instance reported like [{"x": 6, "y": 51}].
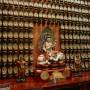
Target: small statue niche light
[
  {"x": 21, "y": 64},
  {"x": 48, "y": 54}
]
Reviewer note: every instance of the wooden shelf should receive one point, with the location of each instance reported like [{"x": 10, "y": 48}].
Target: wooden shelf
[
  {"x": 51, "y": 65},
  {"x": 82, "y": 82}
]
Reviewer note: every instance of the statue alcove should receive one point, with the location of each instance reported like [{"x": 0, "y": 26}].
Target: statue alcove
[{"x": 42, "y": 32}]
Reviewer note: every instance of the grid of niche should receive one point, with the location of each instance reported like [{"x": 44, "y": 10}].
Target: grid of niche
[
  {"x": 54, "y": 10},
  {"x": 21, "y": 13},
  {"x": 75, "y": 40},
  {"x": 15, "y": 41},
  {"x": 13, "y": 46}
]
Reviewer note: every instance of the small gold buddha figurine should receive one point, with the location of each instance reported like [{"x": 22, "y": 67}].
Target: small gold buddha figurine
[
  {"x": 77, "y": 60},
  {"x": 21, "y": 64},
  {"x": 77, "y": 64}
]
